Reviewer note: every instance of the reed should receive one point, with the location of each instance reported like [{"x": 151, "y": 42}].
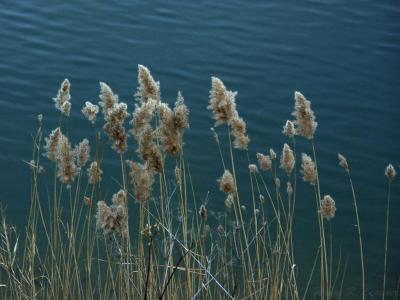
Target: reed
[
  {"x": 390, "y": 173},
  {"x": 154, "y": 237}
]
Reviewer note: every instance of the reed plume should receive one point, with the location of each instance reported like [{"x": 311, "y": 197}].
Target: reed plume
[
  {"x": 61, "y": 101},
  {"x": 289, "y": 129},
  {"x": 108, "y": 99},
  {"x": 203, "y": 212},
  {"x": 142, "y": 116},
  {"x": 104, "y": 219},
  {"x": 229, "y": 201},
  {"x": 272, "y": 154},
  {"x": 287, "y": 159},
  {"x": 94, "y": 173},
  {"x": 142, "y": 180},
  {"x": 223, "y": 105},
  {"x": 181, "y": 112},
  {"x": 149, "y": 151},
  {"x": 308, "y": 169},
  {"x": 343, "y": 162},
  {"x": 390, "y": 172},
  {"x": 114, "y": 127},
  {"x": 148, "y": 88},
  {"x": 261, "y": 198},
  {"x": 227, "y": 183},
  {"x": 172, "y": 124},
  {"x": 305, "y": 119},
  {"x": 241, "y": 140},
  {"x": 82, "y": 153},
  {"x": 264, "y": 162},
  {"x": 253, "y": 168},
  {"x": 67, "y": 169},
  {"x": 222, "y": 102},
  {"x": 51, "y": 146},
  {"x": 115, "y": 114},
  {"x": 328, "y": 208},
  {"x": 113, "y": 218},
  {"x": 90, "y": 111}
]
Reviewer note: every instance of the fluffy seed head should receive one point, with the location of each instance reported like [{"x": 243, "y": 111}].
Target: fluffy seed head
[
  {"x": 108, "y": 99},
  {"x": 142, "y": 181},
  {"x": 203, "y": 212},
  {"x": 253, "y": 168},
  {"x": 305, "y": 119},
  {"x": 51, "y": 146},
  {"x": 149, "y": 151},
  {"x": 262, "y": 198},
  {"x": 289, "y": 129},
  {"x": 142, "y": 116},
  {"x": 118, "y": 198},
  {"x": 82, "y": 152},
  {"x": 90, "y": 111},
  {"x": 222, "y": 102},
  {"x": 229, "y": 201},
  {"x": 94, "y": 173},
  {"x": 104, "y": 220},
  {"x": 172, "y": 124},
  {"x": 67, "y": 169},
  {"x": 328, "y": 208},
  {"x": 87, "y": 200},
  {"x": 287, "y": 159},
  {"x": 308, "y": 169},
  {"x": 241, "y": 140},
  {"x": 114, "y": 114},
  {"x": 113, "y": 218},
  {"x": 114, "y": 127},
  {"x": 390, "y": 172},
  {"x": 148, "y": 87},
  {"x": 227, "y": 183},
  {"x": 272, "y": 154},
  {"x": 66, "y": 108},
  {"x": 61, "y": 101},
  {"x": 181, "y": 113},
  {"x": 264, "y": 162},
  {"x": 343, "y": 162}
]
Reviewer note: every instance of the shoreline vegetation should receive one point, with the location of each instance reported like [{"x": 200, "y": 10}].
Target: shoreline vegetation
[{"x": 82, "y": 244}]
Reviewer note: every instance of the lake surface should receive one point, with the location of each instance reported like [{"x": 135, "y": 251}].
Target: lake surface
[{"x": 342, "y": 55}]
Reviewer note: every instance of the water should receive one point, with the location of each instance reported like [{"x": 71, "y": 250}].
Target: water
[{"x": 344, "y": 56}]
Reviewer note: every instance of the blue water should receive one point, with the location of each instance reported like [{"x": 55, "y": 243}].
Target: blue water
[{"x": 343, "y": 55}]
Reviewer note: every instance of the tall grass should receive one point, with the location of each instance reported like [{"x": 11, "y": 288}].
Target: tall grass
[{"x": 153, "y": 238}]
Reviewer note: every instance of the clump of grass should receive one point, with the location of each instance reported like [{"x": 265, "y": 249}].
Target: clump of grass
[{"x": 77, "y": 246}]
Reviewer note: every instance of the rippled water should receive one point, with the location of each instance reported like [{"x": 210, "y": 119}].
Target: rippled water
[{"x": 343, "y": 55}]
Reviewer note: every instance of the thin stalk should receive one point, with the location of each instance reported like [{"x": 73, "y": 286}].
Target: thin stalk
[
  {"x": 148, "y": 267},
  {"x": 324, "y": 260},
  {"x": 386, "y": 239},
  {"x": 359, "y": 235}
]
